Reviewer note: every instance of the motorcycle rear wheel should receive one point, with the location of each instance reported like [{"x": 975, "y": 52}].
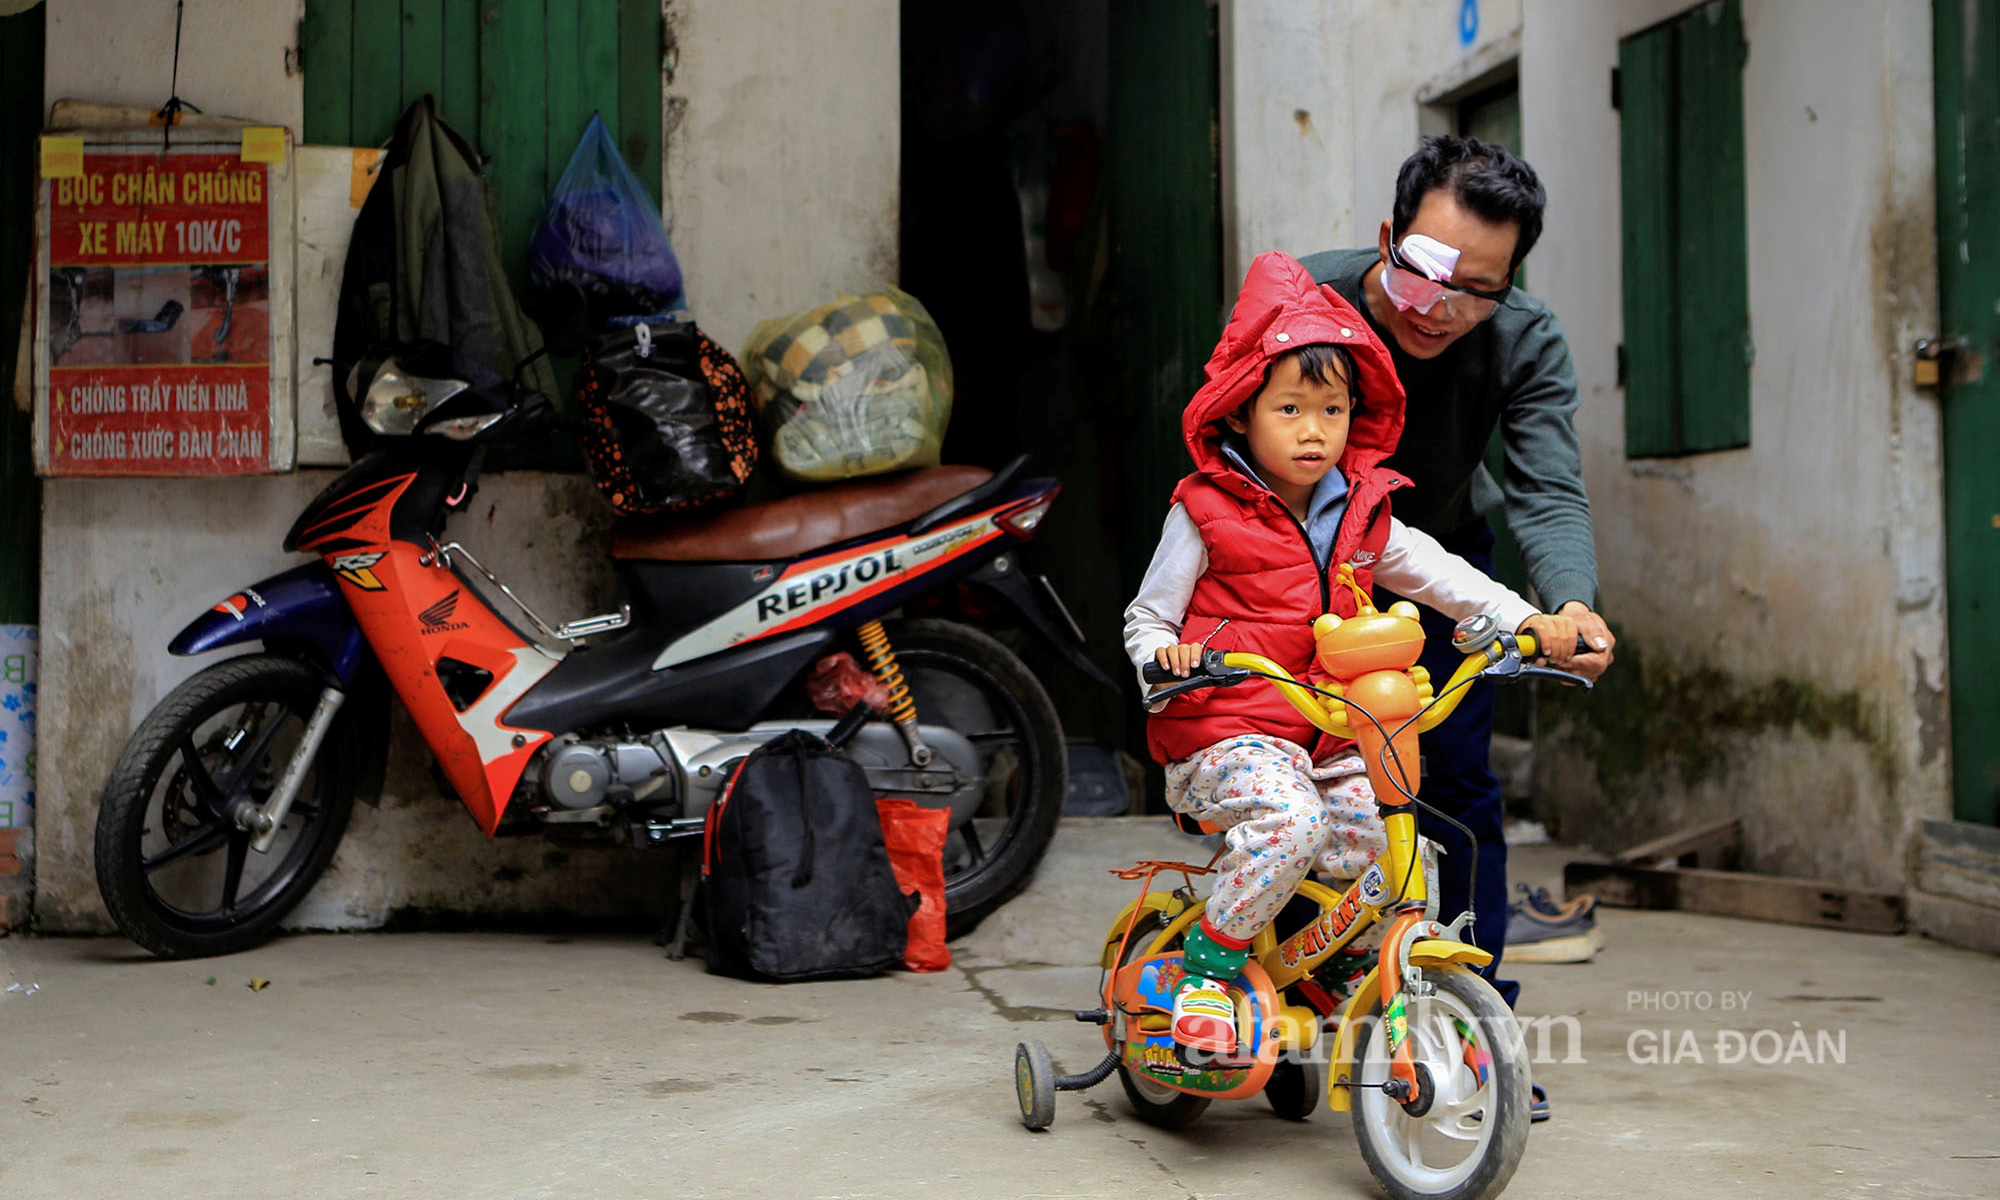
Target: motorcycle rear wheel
[
  {"x": 177, "y": 875},
  {"x": 966, "y": 680}
]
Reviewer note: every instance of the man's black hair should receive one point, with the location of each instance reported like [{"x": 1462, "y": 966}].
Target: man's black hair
[{"x": 1483, "y": 176}]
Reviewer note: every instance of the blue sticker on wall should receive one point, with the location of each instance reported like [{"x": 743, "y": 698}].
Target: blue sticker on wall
[
  {"x": 18, "y": 652},
  {"x": 1468, "y": 22}
]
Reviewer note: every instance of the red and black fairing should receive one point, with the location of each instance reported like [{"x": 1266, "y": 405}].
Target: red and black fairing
[{"x": 455, "y": 663}]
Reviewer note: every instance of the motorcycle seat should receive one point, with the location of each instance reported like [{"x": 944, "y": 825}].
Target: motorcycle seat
[{"x": 796, "y": 525}]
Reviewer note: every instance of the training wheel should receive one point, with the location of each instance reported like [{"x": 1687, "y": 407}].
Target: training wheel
[{"x": 1035, "y": 1084}]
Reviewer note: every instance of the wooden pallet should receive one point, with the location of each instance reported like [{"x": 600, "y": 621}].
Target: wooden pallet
[{"x": 1663, "y": 874}]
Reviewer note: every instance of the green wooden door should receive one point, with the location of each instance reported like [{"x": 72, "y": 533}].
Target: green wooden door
[
  {"x": 1967, "y": 36},
  {"x": 21, "y": 42},
  {"x": 519, "y": 78},
  {"x": 1166, "y": 229}
]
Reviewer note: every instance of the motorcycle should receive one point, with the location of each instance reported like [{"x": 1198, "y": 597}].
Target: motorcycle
[{"x": 231, "y": 796}]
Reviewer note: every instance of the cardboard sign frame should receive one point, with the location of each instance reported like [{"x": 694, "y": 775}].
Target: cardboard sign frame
[{"x": 280, "y": 429}]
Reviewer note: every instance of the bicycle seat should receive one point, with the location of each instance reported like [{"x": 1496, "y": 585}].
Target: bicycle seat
[
  {"x": 1193, "y": 828},
  {"x": 796, "y": 525}
]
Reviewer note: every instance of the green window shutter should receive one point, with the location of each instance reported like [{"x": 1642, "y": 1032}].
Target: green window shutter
[
  {"x": 1646, "y": 173},
  {"x": 1714, "y": 275},
  {"x": 1686, "y": 286}
]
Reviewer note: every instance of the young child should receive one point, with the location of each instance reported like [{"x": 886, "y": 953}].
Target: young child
[{"x": 1300, "y": 407}]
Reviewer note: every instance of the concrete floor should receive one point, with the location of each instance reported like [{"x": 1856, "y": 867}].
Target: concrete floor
[{"x": 419, "y": 1065}]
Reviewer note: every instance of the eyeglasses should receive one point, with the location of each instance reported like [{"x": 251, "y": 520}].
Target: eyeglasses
[{"x": 1411, "y": 288}]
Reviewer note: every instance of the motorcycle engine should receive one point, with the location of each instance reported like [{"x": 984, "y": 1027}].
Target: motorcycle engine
[{"x": 586, "y": 772}]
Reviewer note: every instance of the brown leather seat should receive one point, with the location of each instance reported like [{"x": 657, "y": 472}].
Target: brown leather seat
[{"x": 797, "y": 524}]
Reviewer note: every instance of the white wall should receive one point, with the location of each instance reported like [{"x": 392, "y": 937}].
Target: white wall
[
  {"x": 1288, "y": 144},
  {"x": 781, "y": 156},
  {"x": 232, "y": 56},
  {"x": 782, "y": 179}
]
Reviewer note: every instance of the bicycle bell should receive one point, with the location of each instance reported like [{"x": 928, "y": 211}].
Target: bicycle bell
[{"x": 1474, "y": 633}]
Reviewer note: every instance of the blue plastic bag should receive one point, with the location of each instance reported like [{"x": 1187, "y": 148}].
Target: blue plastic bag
[{"x": 602, "y": 235}]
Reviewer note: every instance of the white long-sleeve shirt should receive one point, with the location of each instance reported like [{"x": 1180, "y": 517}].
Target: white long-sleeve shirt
[{"x": 1412, "y": 564}]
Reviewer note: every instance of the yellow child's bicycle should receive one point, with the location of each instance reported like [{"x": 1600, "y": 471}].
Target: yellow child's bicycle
[{"x": 1424, "y": 1053}]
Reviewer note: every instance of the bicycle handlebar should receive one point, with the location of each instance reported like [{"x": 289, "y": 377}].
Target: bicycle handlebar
[{"x": 1220, "y": 668}]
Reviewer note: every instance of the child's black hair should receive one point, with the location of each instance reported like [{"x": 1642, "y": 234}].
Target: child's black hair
[{"x": 1316, "y": 362}]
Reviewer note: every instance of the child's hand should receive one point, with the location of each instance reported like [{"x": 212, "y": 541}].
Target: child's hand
[
  {"x": 1555, "y": 638},
  {"x": 1179, "y": 659}
]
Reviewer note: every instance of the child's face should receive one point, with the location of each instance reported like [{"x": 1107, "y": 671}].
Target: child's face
[{"x": 1296, "y": 428}]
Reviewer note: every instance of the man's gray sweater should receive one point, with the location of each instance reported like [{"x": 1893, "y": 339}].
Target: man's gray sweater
[{"x": 1512, "y": 371}]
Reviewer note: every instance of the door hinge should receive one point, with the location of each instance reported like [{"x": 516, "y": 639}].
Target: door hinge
[{"x": 1616, "y": 95}]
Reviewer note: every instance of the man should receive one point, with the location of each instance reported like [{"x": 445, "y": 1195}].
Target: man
[{"x": 1473, "y": 355}]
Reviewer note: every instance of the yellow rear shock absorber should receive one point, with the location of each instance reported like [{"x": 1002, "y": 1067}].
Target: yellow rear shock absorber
[{"x": 902, "y": 709}]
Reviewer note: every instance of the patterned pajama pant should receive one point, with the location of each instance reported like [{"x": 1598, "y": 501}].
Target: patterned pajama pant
[{"x": 1282, "y": 816}]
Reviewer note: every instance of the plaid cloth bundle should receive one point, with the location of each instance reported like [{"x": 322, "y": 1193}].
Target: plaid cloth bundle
[{"x": 856, "y": 387}]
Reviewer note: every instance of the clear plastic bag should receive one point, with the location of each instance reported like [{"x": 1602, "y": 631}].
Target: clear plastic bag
[
  {"x": 602, "y": 234},
  {"x": 856, "y": 387}
]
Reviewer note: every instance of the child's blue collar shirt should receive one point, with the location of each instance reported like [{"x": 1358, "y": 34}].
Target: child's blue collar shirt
[{"x": 1323, "y": 512}]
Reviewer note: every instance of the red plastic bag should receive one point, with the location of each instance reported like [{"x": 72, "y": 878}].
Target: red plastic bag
[
  {"x": 837, "y": 683},
  {"x": 915, "y": 836}
]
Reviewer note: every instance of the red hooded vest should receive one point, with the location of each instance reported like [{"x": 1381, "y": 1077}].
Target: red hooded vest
[{"x": 1261, "y": 575}]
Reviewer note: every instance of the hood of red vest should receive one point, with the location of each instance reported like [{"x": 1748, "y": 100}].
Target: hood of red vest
[{"x": 1280, "y": 309}]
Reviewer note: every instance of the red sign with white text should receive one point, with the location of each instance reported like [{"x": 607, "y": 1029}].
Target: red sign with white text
[{"x": 158, "y": 319}]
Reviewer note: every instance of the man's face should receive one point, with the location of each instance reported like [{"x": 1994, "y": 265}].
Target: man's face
[{"x": 1485, "y": 257}]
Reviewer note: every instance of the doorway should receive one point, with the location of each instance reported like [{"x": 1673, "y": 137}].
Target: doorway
[{"x": 1061, "y": 220}]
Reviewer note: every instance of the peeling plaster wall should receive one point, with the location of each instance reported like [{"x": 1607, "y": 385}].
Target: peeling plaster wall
[
  {"x": 1780, "y": 605},
  {"x": 783, "y": 140},
  {"x": 1287, "y": 113},
  {"x": 782, "y": 185}
]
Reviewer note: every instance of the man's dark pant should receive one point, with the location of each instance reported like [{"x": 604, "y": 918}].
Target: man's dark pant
[{"x": 1459, "y": 780}]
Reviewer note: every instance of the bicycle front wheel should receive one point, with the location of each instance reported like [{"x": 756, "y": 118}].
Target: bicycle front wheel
[{"x": 1463, "y": 1137}]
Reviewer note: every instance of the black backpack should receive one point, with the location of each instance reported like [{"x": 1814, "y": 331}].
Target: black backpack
[{"x": 798, "y": 884}]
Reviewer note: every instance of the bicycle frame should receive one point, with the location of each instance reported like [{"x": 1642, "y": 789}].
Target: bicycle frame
[{"x": 1371, "y": 660}]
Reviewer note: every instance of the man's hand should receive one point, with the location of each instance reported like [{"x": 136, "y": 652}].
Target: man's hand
[
  {"x": 1595, "y": 633},
  {"x": 1555, "y": 639}
]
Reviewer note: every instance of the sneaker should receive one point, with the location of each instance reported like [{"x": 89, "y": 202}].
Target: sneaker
[
  {"x": 1204, "y": 1016},
  {"x": 1539, "y": 900},
  {"x": 1536, "y": 936}
]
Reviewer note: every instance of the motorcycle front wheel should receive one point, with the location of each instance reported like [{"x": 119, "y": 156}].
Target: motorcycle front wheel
[
  {"x": 177, "y": 874},
  {"x": 964, "y": 679}
]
